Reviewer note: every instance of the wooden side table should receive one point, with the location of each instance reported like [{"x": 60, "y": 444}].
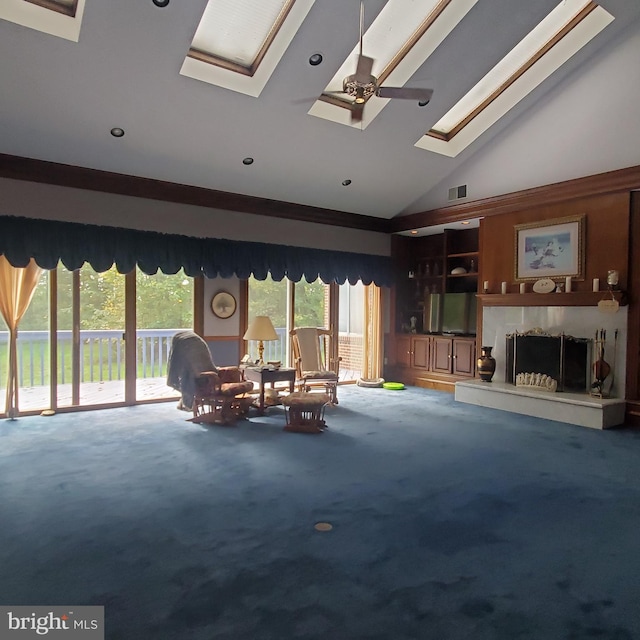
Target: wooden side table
[{"x": 269, "y": 376}]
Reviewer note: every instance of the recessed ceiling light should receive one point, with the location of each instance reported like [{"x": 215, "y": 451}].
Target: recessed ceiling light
[
  {"x": 117, "y": 132},
  {"x": 315, "y": 59},
  {"x": 346, "y": 183},
  {"x": 414, "y": 231},
  {"x": 247, "y": 161},
  {"x": 465, "y": 222},
  {"x": 423, "y": 103},
  {"x": 160, "y": 3}
]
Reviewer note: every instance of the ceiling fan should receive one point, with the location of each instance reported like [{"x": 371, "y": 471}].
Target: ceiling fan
[{"x": 362, "y": 84}]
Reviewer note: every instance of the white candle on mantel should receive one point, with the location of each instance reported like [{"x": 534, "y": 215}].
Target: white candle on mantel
[
  {"x": 567, "y": 284},
  {"x": 596, "y": 284},
  {"x": 485, "y": 286},
  {"x": 503, "y": 288},
  {"x": 522, "y": 287}
]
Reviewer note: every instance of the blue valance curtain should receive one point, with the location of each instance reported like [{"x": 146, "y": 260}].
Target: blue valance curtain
[{"x": 49, "y": 242}]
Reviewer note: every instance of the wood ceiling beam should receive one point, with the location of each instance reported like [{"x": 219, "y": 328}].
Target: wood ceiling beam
[{"x": 43, "y": 171}]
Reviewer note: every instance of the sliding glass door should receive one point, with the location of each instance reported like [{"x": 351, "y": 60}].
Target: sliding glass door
[
  {"x": 164, "y": 306},
  {"x": 97, "y": 339},
  {"x": 312, "y": 304}
]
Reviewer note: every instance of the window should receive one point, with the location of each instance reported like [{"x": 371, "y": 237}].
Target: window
[
  {"x": 571, "y": 25},
  {"x": 238, "y": 43},
  {"x": 61, "y": 18},
  {"x": 66, "y": 7}
]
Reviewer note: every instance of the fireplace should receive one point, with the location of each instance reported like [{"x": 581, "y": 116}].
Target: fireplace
[{"x": 551, "y": 362}]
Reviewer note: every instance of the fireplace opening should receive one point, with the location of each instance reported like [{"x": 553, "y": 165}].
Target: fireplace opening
[{"x": 563, "y": 358}]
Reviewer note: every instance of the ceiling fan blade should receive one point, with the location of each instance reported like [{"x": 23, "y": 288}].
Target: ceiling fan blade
[
  {"x": 405, "y": 93},
  {"x": 363, "y": 69},
  {"x": 357, "y": 112}
]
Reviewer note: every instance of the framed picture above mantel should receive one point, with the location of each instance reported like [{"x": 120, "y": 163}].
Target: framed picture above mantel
[{"x": 550, "y": 249}]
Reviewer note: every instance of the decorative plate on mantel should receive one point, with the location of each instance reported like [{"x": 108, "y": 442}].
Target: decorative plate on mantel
[{"x": 544, "y": 285}]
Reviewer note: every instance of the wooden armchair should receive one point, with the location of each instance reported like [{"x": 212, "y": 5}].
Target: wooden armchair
[
  {"x": 314, "y": 365},
  {"x": 221, "y": 396}
]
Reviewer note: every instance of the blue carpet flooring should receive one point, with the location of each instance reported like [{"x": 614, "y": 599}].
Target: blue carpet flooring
[{"x": 449, "y": 522}]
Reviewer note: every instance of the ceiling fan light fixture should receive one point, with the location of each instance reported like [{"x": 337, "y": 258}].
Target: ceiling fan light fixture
[{"x": 359, "y": 89}]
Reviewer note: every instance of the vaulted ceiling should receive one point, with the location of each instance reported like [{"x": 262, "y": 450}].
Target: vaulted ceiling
[{"x": 60, "y": 99}]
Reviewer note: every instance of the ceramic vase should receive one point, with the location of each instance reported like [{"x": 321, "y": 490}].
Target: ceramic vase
[{"x": 486, "y": 364}]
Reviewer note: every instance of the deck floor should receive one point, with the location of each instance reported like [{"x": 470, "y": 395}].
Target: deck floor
[{"x": 109, "y": 392}]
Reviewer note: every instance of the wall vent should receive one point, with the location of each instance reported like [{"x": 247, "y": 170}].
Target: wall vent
[{"x": 455, "y": 193}]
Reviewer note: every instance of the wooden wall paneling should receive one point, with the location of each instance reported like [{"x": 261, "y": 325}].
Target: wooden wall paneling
[
  {"x": 606, "y": 239},
  {"x": 633, "y": 319},
  {"x": 480, "y": 285}
]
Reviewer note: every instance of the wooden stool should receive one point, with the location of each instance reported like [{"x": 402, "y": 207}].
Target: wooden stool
[{"x": 305, "y": 411}]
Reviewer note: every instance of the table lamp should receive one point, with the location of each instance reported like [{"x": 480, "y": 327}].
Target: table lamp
[{"x": 260, "y": 329}]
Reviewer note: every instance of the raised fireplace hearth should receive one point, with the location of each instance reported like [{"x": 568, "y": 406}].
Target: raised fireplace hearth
[{"x": 572, "y": 407}]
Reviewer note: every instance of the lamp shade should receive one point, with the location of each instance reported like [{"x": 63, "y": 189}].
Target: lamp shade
[{"x": 260, "y": 328}]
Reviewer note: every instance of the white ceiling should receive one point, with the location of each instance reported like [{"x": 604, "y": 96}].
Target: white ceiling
[{"x": 59, "y": 100}]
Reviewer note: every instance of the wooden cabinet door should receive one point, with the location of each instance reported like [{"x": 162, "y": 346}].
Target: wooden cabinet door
[
  {"x": 441, "y": 356},
  {"x": 403, "y": 351},
  {"x": 420, "y": 349},
  {"x": 464, "y": 357}
]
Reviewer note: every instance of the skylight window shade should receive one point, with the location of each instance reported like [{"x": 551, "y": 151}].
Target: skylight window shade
[
  {"x": 236, "y": 34},
  {"x": 239, "y": 43},
  {"x": 550, "y": 44},
  {"x": 66, "y": 7},
  {"x": 61, "y": 18}
]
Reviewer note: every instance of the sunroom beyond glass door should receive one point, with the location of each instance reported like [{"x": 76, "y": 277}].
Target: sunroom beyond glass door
[{"x": 351, "y": 330}]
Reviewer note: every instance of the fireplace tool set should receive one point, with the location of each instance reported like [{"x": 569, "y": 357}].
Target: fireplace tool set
[{"x": 601, "y": 368}]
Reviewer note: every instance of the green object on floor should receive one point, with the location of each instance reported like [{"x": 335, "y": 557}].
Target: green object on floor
[{"x": 394, "y": 386}]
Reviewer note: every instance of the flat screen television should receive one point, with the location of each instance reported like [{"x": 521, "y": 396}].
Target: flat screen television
[{"x": 459, "y": 313}]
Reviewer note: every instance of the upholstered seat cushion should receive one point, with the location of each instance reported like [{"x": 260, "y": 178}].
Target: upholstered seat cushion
[
  {"x": 305, "y": 400},
  {"x": 235, "y": 388},
  {"x": 320, "y": 375}
]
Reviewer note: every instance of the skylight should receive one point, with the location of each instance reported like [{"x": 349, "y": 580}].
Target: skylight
[
  {"x": 66, "y": 7},
  {"x": 236, "y": 33},
  {"x": 238, "y": 43},
  {"x": 569, "y": 27},
  {"x": 61, "y": 18},
  {"x": 398, "y": 47}
]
